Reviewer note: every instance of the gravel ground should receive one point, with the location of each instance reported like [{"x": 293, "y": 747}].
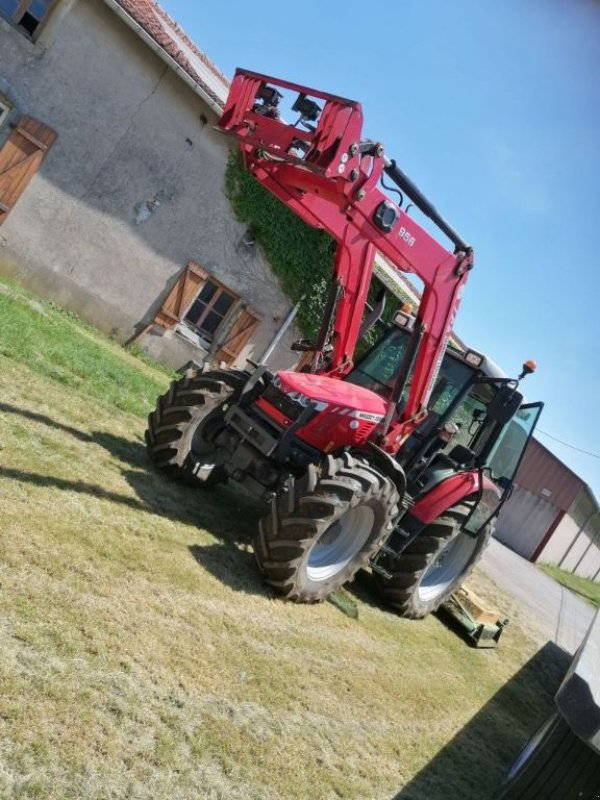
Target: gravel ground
[{"x": 563, "y": 616}]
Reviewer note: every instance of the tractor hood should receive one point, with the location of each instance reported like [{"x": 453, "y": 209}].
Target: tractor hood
[{"x": 333, "y": 392}]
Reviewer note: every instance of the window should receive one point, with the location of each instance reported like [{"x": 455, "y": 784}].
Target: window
[
  {"x": 5, "y": 110},
  {"x": 26, "y": 14},
  {"x": 204, "y": 305},
  {"x": 506, "y": 454},
  {"x": 210, "y": 307},
  {"x": 379, "y": 370}
]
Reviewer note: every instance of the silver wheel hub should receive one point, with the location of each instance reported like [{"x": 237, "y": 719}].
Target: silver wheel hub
[
  {"x": 447, "y": 567},
  {"x": 340, "y": 543}
]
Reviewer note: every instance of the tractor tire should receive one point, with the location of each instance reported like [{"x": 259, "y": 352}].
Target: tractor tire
[
  {"x": 186, "y": 420},
  {"x": 325, "y": 528},
  {"x": 556, "y": 765},
  {"x": 433, "y": 566}
]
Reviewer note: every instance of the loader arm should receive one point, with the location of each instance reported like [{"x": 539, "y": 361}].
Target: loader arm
[{"x": 329, "y": 176}]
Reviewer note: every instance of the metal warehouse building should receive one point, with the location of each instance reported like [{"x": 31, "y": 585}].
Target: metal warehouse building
[{"x": 552, "y": 516}]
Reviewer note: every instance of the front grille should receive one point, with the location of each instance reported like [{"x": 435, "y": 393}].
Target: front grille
[
  {"x": 251, "y": 431},
  {"x": 279, "y": 400}
]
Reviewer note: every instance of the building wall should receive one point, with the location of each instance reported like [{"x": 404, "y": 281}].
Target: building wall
[
  {"x": 130, "y": 132},
  {"x": 575, "y": 544},
  {"x": 551, "y": 515},
  {"x": 524, "y": 521}
]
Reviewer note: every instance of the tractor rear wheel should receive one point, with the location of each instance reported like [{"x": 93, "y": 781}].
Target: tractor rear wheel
[
  {"x": 433, "y": 566},
  {"x": 187, "y": 418},
  {"x": 326, "y": 527}
]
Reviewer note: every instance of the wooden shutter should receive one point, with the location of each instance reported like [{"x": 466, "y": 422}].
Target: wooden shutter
[
  {"x": 239, "y": 335},
  {"x": 181, "y": 296},
  {"x": 20, "y": 157}
]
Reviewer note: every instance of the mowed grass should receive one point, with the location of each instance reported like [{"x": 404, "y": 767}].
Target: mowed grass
[
  {"x": 585, "y": 587},
  {"x": 141, "y": 656}
]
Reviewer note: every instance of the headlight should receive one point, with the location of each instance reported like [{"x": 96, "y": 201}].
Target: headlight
[
  {"x": 299, "y": 398},
  {"x": 473, "y": 358},
  {"x": 276, "y": 382}
]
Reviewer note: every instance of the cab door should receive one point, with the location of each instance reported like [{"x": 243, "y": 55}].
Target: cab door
[
  {"x": 506, "y": 455},
  {"x": 503, "y": 462}
]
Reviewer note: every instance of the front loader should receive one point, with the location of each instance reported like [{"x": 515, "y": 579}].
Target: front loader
[{"x": 399, "y": 460}]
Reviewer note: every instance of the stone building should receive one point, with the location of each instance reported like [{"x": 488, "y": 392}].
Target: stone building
[{"x": 111, "y": 181}]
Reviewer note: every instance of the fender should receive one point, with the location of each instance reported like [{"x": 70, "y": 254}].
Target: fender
[{"x": 451, "y": 491}]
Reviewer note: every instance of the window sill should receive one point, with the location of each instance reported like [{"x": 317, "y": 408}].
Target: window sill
[
  {"x": 192, "y": 336},
  {"x": 9, "y": 25}
]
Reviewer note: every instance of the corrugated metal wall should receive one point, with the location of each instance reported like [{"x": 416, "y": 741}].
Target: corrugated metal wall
[
  {"x": 542, "y": 473},
  {"x": 575, "y": 545},
  {"x": 524, "y": 521},
  {"x": 552, "y": 516}
]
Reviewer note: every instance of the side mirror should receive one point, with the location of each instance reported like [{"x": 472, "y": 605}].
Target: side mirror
[{"x": 504, "y": 405}]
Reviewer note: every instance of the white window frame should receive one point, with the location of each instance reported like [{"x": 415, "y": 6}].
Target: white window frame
[{"x": 5, "y": 109}]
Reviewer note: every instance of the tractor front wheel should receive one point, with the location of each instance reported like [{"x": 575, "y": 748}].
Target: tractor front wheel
[
  {"x": 325, "y": 528},
  {"x": 433, "y": 566},
  {"x": 187, "y": 418}
]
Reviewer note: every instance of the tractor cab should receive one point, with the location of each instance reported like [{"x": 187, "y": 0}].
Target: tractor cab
[{"x": 477, "y": 418}]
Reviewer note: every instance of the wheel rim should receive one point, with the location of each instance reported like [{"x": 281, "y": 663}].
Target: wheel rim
[
  {"x": 447, "y": 567},
  {"x": 340, "y": 543}
]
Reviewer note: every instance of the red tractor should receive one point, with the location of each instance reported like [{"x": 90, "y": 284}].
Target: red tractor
[{"x": 400, "y": 460}]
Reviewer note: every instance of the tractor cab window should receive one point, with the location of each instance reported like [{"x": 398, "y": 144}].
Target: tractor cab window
[
  {"x": 505, "y": 456},
  {"x": 379, "y": 369},
  {"x": 470, "y": 416}
]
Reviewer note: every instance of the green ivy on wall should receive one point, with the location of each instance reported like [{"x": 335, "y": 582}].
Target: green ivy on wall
[{"x": 300, "y": 256}]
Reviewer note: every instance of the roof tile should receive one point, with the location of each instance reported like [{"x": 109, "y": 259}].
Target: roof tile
[{"x": 177, "y": 44}]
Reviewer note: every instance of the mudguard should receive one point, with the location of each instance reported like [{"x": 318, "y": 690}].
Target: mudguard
[{"x": 451, "y": 491}]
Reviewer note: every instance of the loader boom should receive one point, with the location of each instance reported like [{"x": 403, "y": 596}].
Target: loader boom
[
  {"x": 330, "y": 177},
  {"x": 400, "y": 461}
]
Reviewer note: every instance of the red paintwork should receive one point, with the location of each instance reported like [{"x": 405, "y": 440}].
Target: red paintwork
[
  {"x": 333, "y": 391},
  {"x": 450, "y": 492},
  {"x": 273, "y": 412},
  {"x": 333, "y": 188},
  {"x": 348, "y": 414},
  {"x": 332, "y": 430}
]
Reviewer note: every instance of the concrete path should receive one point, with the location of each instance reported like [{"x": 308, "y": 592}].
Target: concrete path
[{"x": 564, "y": 616}]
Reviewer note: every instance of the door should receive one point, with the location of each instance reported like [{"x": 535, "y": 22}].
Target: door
[
  {"x": 503, "y": 462},
  {"x": 506, "y": 455}
]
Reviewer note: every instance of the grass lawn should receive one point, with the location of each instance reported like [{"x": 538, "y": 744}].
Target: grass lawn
[
  {"x": 141, "y": 656},
  {"x": 584, "y": 587}
]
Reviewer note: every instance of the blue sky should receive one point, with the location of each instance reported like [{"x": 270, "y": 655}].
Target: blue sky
[{"x": 494, "y": 110}]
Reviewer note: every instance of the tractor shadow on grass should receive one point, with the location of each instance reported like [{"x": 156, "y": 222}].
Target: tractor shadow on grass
[
  {"x": 472, "y": 765},
  {"x": 130, "y": 451},
  {"x": 229, "y": 515},
  {"x": 226, "y": 513}
]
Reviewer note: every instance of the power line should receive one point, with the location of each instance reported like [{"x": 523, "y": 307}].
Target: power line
[{"x": 566, "y": 444}]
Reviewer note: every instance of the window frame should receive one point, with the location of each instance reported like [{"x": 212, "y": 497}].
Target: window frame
[
  {"x": 23, "y": 7},
  {"x": 6, "y": 109},
  {"x": 238, "y": 324},
  {"x": 221, "y": 289}
]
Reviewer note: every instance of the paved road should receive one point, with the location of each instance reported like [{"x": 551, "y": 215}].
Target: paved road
[{"x": 563, "y": 615}]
